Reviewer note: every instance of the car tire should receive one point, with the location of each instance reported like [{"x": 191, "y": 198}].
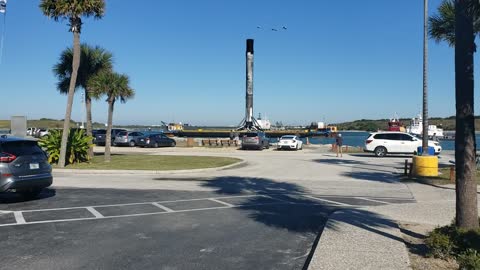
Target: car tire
[
  {"x": 173, "y": 144},
  {"x": 132, "y": 143},
  {"x": 268, "y": 146},
  {"x": 380, "y": 151},
  {"x": 155, "y": 145}
]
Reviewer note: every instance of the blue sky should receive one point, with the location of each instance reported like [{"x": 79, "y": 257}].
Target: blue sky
[{"x": 337, "y": 61}]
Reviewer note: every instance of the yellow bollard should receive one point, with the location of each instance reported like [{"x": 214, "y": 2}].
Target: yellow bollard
[{"x": 425, "y": 165}]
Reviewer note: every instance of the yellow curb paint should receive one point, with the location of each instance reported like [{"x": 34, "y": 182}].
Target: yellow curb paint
[{"x": 425, "y": 166}]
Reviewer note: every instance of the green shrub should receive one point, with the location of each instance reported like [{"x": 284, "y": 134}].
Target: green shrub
[
  {"x": 439, "y": 244},
  {"x": 469, "y": 260},
  {"x": 77, "y": 146},
  {"x": 450, "y": 241}
]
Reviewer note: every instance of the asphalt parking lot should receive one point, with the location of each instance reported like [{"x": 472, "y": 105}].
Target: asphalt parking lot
[{"x": 157, "y": 229}]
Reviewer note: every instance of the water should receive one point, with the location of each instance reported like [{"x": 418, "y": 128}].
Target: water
[{"x": 353, "y": 138}]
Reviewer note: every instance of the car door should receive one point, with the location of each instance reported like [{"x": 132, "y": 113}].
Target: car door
[
  {"x": 164, "y": 141},
  {"x": 383, "y": 139},
  {"x": 395, "y": 142},
  {"x": 410, "y": 143}
]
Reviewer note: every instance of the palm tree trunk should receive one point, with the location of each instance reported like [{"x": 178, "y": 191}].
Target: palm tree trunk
[
  {"x": 71, "y": 91},
  {"x": 88, "y": 105},
  {"x": 466, "y": 187},
  {"x": 108, "y": 140},
  {"x": 425, "y": 85}
]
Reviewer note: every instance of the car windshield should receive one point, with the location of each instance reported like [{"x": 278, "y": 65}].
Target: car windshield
[
  {"x": 287, "y": 138},
  {"x": 251, "y": 134},
  {"x": 123, "y": 133}
]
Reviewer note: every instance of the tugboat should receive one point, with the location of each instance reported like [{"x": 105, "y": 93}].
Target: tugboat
[
  {"x": 416, "y": 128},
  {"x": 394, "y": 124}
]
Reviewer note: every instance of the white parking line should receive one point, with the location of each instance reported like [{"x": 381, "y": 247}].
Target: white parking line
[
  {"x": 162, "y": 207},
  {"x": 220, "y": 202},
  {"x": 141, "y": 203},
  {"x": 125, "y": 216},
  {"x": 371, "y": 200},
  {"x": 19, "y": 217},
  {"x": 94, "y": 212},
  {"x": 327, "y": 201}
]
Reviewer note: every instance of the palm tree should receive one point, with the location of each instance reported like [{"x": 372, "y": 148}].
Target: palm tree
[
  {"x": 116, "y": 87},
  {"x": 73, "y": 10},
  {"x": 425, "y": 86},
  {"x": 92, "y": 60},
  {"x": 458, "y": 25}
]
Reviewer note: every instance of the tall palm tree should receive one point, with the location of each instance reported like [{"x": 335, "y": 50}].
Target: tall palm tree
[
  {"x": 73, "y": 10},
  {"x": 425, "y": 86},
  {"x": 116, "y": 87},
  {"x": 92, "y": 61},
  {"x": 457, "y": 24}
]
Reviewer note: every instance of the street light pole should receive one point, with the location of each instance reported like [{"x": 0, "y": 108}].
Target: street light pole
[{"x": 425, "y": 85}]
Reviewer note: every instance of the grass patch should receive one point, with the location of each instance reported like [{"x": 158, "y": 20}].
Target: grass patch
[
  {"x": 444, "y": 173},
  {"x": 443, "y": 178},
  {"x": 157, "y": 163}
]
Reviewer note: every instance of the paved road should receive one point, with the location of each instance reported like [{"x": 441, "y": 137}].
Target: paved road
[{"x": 267, "y": 215}]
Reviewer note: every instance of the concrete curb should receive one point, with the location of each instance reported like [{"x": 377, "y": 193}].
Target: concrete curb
[
  {"x": 359, "y": 239},
  {"x": 149, "y": 172}
]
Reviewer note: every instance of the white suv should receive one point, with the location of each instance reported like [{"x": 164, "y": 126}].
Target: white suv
[{"x": 382, "y": 143}]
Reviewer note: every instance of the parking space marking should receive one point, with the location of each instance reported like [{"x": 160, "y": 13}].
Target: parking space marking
[
  {"x": 327, "y": 201},
  {"x": 19, "y": 217},
  {"x": 371, "y": 200},
  {"x": 94, "y": 212},
  {"x": 132, "y": 215},
  {"x": 141, "y": 203},
  {"x": 220, "y": 202},
  {"x": 162, "y": 207}
]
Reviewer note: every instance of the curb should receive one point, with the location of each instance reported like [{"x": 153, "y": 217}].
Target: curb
[{"x": 149, "y": 172}]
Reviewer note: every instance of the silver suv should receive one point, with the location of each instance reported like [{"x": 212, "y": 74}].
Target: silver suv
[
  {"x": 24, "y": 167},
  {"x": 255, "y": 140}
]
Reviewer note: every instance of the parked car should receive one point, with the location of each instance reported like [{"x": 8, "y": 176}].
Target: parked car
[
  {"x": 128, "y": 138},
  {"x": 383, "y": 143},
  {"x": 255, "y": 140},
  {"x": 155, "y": 140},
  {"x": 24, "y": 166},
  {"x": 39, "y": 133},
  {"x": 102, "y": 135},
  {"x": 31, "y": 131},
  {"x": 290, "y": 142},
  {"x": 95, "y": 132}
]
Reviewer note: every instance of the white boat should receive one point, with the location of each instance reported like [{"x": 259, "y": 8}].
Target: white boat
[{"x": 416, "y": 128}]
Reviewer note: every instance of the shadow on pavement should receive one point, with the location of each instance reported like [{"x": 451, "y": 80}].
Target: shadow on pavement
[
  {"x": 364, "y": 220},
  {"x": 284, "y": 207},
  {"x": 371, "y": 155},
  {"x": 12, "y": 197},
  {"x": 339, "y": 161},
  {"x": 375, "y": 176}
]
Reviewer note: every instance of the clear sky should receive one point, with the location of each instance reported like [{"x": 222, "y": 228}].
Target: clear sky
[{"x": 337, "y": 61}]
